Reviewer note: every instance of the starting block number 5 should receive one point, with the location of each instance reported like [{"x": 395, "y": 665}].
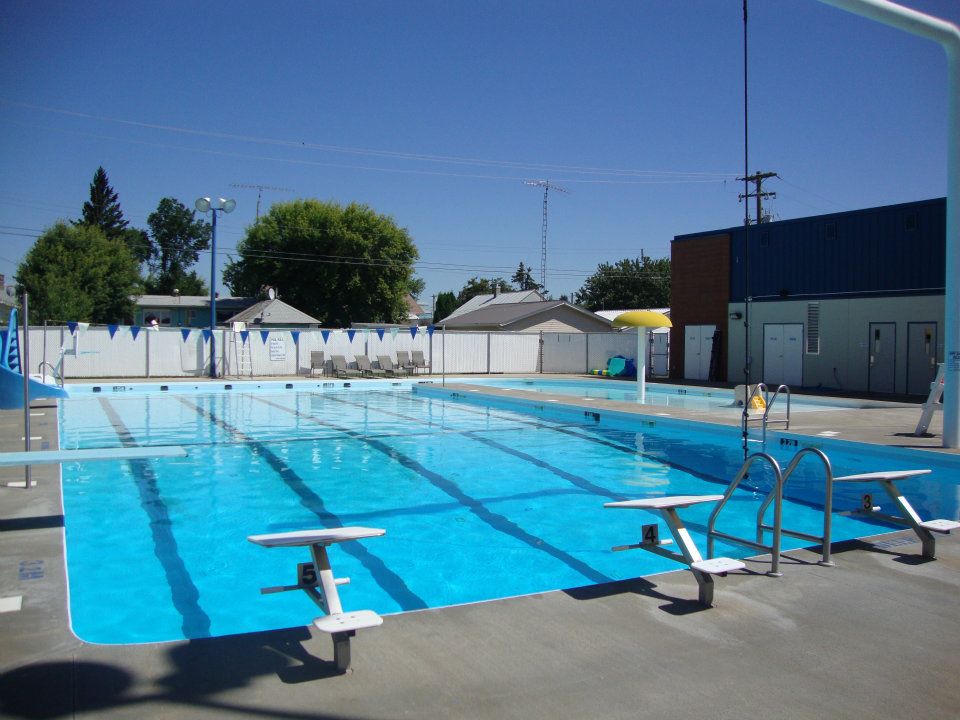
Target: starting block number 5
[
  {"x": 306, "y": 574},
  {"x": 651, "y": 534}
]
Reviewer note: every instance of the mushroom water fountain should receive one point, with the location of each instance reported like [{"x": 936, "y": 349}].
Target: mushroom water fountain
[{"x": 642, "y": 320}]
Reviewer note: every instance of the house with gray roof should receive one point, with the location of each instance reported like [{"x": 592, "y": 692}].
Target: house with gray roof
[
  {"x": 274, "y": 313},
  {"x": 528, "y": 316},
  {"x": 185, "y": 310},
  {"x": 496, "y": 298}
]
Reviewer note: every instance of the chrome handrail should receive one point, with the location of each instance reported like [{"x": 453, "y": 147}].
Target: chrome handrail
[
  {"x": 824, "y": 540},
  {"x": 56, "y": 376},
  {"x": 777, "y": 494}
]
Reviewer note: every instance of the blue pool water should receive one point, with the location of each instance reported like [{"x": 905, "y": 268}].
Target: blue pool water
[
  {"x": 478, "y": 502},
  {"x": 669, "y": 396}
]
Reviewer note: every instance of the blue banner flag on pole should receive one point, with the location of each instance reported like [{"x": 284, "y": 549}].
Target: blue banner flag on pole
[
  {"x": 73, "y": 327},
  {"x": 206, "y": 335},
  {"x": 350, "y": 334},
  {"x": 325, "y": 334},
  {"x": 430, "y": 329},
  {"x": 112, "y": 329},
  {"x": 244, "y": 334},
  {"x": 134, "y": 330},
  {"x": 185, "y": 332},
  {"x": 413, "y": 331},
  {"x": 380, "y": 332},
  {"x": 296, "y": 336},
  {"x": 264, "y": 334}
]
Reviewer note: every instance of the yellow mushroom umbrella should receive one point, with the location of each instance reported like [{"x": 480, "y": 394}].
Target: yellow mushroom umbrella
[{"x": 642, "y": 319}]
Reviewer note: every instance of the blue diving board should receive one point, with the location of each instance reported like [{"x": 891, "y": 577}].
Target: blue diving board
[{"x": 47, "y": 457}]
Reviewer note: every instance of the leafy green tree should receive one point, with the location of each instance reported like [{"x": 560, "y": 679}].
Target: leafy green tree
[
  {"x": 523, "y": 279},
  {"x": 76, "y": 273},
  {"x": 482, "y": 286},
  {"x": 445, "y": 304},
  {"x": 416, "y": 286},
  {"x": 629, "y": 283},
  {"x": 338, "y": 263},
  {"x": 103, "y": 209},
  {"x": 176, "y": 239}
]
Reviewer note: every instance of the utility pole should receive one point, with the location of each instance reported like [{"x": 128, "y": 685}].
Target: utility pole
[
  {"x": 757, "y": 179},
  {"x": 547, "y": 187},
  {"x": 260, "y": 189}
]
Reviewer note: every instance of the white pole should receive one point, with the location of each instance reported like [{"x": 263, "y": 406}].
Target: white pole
[
  {"x": 948, "y": 35},
  {"x": 641, "y": 365}
]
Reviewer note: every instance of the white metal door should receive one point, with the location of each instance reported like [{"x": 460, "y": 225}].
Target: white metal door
[
  {"x": 783, "y": 354},
  {"x": 661, "y": 354},
  {"x": 698, "y": 342}
]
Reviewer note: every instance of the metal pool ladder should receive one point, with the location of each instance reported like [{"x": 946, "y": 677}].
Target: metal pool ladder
[
  {"x": 775, "y": 496},
  {"x": 768, "y": 402}
]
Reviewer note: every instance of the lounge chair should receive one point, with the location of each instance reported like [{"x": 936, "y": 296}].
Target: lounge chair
[
  {"x": 368, "y": 370},
  {"x": 386, "y": 364},
  {"x": 419, "y": 361},
  {"x": 317, "y": 362},
  {"x": 403, "y": 361},
  {"x": 340, "y": 368}
]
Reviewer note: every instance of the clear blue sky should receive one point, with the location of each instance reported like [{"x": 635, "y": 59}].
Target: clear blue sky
[{"x": 435, "y": 112}]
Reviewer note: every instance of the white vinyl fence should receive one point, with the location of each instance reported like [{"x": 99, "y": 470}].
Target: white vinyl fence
[{"x": 133, "y": 352}]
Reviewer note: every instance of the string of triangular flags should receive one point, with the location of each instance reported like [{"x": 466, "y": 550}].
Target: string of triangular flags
[{"x": 245, "y": 334}]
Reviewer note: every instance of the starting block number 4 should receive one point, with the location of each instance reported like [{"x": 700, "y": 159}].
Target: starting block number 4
[
  {"x": 306, "y": 574},
  {"x": 650, "y": 534}
]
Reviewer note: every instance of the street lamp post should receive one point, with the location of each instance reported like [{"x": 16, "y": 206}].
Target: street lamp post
[{"x": 206, "y": 205}]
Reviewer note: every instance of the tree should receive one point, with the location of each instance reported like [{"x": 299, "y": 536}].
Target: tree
[
  {"x": 176, "y": 241},
  {"x": 76, "y": 273},
  {"x": 524, "y": 280},
  {"x": 638, "y": 283},
  {"x": 446, "y": 303},
  {"x": 481, "y": 286},
  {"x": 103, "y": 209},
  {"x": 337, "y": 263}
]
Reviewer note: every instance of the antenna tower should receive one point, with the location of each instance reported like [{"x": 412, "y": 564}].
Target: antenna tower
[
  {"x": 547, "y": 187},
  {"x": 260, "y": 189}
]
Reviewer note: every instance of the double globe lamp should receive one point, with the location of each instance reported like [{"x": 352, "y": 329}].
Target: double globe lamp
[{"x": 206, "y": 205}]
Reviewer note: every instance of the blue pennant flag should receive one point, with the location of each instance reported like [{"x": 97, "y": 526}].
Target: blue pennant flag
[
  {"x": 206, "y": 335},
  {"x": 296, "y": 336},
  {"x": 73, "y": 327},
  {"x": 380, "y": 332},
  {"x": 350, "y": 334},
  {"x": 325, "y": 334},
  {"x": 430, "y": 329},
  {"x": 134, "y": 330},
  {"x": 244, "y": 334},
  {"x": 185, "y": 332},
  {"x": 264, "y": 334},
  {"x": 112, "y": 329},
  {"x": 413, "y": 331}
]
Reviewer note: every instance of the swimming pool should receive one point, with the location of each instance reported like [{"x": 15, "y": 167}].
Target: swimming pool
[
  {"x": 682, "y": 397},
  {"x": 478, "y": 501}
]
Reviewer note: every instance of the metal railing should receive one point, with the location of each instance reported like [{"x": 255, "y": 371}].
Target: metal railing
[
  {"x": 768, "y": 403},
  {"x": 777, "y": 493}
]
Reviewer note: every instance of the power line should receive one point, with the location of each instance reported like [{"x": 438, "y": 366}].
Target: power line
[{"x": 260, "y": 189}]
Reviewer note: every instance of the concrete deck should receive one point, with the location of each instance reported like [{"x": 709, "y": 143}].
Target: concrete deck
[{"x": 874, "y": 637}]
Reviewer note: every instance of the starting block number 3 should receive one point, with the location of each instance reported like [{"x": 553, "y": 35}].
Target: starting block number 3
[
  {"x": 867, "y": 502},
  {"x": 650, "y": 534},
  {"x": 306, "y": 574}
]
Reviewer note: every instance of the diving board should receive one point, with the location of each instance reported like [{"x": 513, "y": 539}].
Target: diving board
[
  {"x": 689, "y": 555},
  {"x": 50, "y": 457},
  {"x": 316, "y": 579},
  {"x": 923, "y": 528}
]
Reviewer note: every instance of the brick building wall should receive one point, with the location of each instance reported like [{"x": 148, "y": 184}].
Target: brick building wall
[{"x": 700, "y": 292}]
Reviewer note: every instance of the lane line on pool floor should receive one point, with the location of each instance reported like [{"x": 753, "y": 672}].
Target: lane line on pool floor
[
  {"x": 386, "y": 578},
  {"x": 495, "y": 520},
  {"x": 185, "y": 595}
]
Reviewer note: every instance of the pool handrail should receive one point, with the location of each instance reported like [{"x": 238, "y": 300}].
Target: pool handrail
[
  {"x": 768, "y": 403},
  {"x": 824, "y": 540},
  {"x": 777, "y": 493}
]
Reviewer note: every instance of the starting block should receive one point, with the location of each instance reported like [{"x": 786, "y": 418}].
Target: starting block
[
  {"x": 909, "y": 518},
  {"x": 689, "y": 555},
  {"x": 316, "y": 579}
]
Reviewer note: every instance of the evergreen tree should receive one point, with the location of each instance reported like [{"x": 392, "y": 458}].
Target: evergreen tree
[
  {"x": 446, "y": 303},
  {"x": 523, "y": 279},
  {"x": 103, "y": 209}
]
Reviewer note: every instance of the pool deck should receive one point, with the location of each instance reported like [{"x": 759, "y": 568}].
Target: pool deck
[{"x": 874, "y": 637}]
